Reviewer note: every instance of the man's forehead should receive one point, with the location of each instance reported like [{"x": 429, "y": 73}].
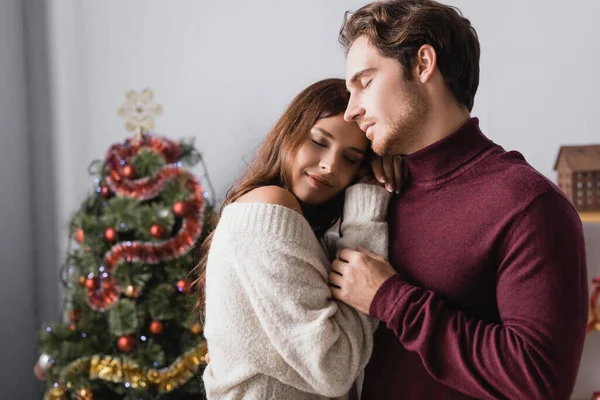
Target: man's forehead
[{"x": 360, "y": 57}]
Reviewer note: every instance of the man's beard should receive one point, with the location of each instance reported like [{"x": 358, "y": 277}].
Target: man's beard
[{"x": 406, "y": 127}]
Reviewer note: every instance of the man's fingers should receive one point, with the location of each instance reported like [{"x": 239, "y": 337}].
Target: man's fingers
[
  {"x": 335, "y": 279},
  {"x": 397, "y": 173},
  {"x": 377, "y": 166},
  {"x": 388, "y": 170},
  {"x": 207, "y": 358},
  {"x": 345, "y": 256},
  {"x": 336, "y": 292},
  {"x": 337, "y": 265}
]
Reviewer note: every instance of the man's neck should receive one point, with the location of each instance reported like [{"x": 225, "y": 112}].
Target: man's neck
[{"x": 440, "y": 123}]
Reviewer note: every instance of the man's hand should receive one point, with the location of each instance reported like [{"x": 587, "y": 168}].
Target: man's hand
[
  {"x": 388, "y": 170},
  {"x": 357, "y": 276}
]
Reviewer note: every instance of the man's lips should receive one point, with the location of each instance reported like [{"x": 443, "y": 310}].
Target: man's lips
[{"x": 364, "y": 127}]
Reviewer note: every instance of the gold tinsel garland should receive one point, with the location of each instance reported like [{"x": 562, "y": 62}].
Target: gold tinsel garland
[{"x": 112, "y": 369}]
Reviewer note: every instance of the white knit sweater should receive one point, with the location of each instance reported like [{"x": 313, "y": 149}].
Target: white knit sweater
[{"x": 273, "y": 329}]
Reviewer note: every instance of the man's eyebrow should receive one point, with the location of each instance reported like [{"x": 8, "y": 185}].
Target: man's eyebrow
[{"x": 357, "y": 75}]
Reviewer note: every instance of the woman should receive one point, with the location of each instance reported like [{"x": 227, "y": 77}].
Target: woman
[{"x": 272, "y": 327}]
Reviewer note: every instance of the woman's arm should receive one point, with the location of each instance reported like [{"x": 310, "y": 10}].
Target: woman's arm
[{"x": 323, "y": 344}]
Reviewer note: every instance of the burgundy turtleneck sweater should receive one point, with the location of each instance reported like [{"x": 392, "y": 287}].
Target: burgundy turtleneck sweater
[{"x": 490, "y": 300}]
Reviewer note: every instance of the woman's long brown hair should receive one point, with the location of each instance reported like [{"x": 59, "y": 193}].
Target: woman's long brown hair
[{"x": 322, "y": 99}]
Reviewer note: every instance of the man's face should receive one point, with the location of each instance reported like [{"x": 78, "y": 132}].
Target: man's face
[{"x": 387, "y": 107}]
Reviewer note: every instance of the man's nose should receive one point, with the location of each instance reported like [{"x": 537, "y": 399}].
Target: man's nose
[{"x": 353, "y": 111}]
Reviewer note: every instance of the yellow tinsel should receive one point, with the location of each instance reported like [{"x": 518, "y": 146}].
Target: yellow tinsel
[
  {"x": 112, "y": 369},
  {"x": 56, "y": 393},
  {"x": 168, "y": 379}
]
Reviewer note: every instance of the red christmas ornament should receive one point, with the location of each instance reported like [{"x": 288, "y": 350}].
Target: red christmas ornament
[
  {"x": 184, "y": 285},
  {"x": 79, "y": 235},
  {"x": 91, "y": 283},
  {"x": 157, "y": 231},
  {"x": 181, "y": 208},
  {"x": 129, "y": 171},
  {"x": 126, "y": 343},
  {"x": 110, "y": 234},
  {"x": 105, "y": 191},
  {"x": 156, "y": 327}
]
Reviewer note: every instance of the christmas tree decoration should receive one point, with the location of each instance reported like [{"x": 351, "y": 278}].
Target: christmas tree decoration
[
  {"x": 139, "y": 110},
  {"x": 126, "y": 330},
  {"x": 129, "y": 171},
  {"x": 180, "y": 208},
  {"x": 74, "y": 315},
  {"x": 132, "y": 292},
  {"x": 165, "y": 380},
  {"x": 105, "y": 192},
  {"x": 57, "y": 392},
  {"x": 85, "y": 394},
  {"x": 91, "y": 283},
  {"x": 126, "y": 343},
  {"x": 44, "y": 361},
  {"x": 184, "y": 285},
  {"x": 79, "y": 235},
  {"x": 110, "y": 234},
  {"x": 157, "y": 231},
  {"x": 196, "y": 328},
  {"x": 156, "y": 327}
]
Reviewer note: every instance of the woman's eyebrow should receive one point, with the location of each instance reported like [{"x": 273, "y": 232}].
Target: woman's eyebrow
[{"x": 330, "y": 136}]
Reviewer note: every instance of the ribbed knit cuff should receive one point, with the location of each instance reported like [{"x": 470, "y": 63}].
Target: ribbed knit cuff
[{"x": 366, "y": 202}]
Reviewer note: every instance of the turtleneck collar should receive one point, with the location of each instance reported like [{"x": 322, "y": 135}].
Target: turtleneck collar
[{"x": 447, "y": 155}]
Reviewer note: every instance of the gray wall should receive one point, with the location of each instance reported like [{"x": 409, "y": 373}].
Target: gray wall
[{"x": 28, "y": 256}]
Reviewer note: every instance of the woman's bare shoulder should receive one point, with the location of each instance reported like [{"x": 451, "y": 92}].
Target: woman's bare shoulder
[{"x": 271, "y": 195}]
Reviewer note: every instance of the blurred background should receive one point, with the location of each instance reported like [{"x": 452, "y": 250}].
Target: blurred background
[{"x": 224, "y": 72}]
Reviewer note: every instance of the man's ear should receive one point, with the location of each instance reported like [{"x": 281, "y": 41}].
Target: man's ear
[{"x": 425, "y": 63}]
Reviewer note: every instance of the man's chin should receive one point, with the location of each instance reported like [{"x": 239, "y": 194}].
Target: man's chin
[{"x": 380, "y": 149}]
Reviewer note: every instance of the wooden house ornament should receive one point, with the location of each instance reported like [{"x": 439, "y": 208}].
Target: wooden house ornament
[{"x": 578, "y": 170}]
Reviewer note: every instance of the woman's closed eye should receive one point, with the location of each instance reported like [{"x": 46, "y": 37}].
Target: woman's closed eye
[
  {"x": 352, "y": 160},
  {"x": 318, "y": 143}
]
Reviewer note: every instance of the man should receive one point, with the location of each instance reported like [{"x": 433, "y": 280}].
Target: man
[{"x": 485, "y": 293}]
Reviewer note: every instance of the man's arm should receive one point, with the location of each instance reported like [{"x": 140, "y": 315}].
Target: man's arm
[{"x": 541, "y": 287}]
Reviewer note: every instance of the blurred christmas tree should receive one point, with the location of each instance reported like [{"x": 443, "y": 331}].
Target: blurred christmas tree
[{"x": 128, "y": 328}]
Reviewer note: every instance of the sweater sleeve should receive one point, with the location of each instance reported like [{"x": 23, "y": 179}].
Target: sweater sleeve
[
  {"x": 363, "y": 222},
  {"x": 541, "y": 287},
  {"x": 323, "y": 343}
]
